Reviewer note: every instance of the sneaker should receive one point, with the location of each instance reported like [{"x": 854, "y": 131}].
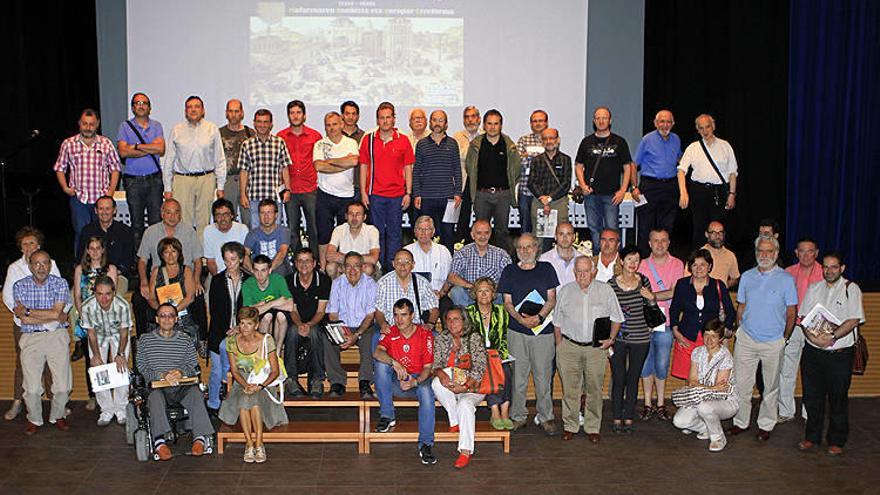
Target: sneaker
[
  {"x": 717, "y": 445},
  {"x": 295, "y": 389},
  {"x": 385, "y": 425},
  {"x": 120, "y": 418},
  {"x": 337, "y": 390},
  {"x": 617, "y": 428},
  {"x": 104, "y": 419},
  {"x": 316, "y": 391},
  {"x": 462, "y": 461},
  {"x": 13, "y": 411},
  {"x": 91, "y": 404},
  {"x": 685, "y": 431},
  {"x": 784, "y": 419},
  {"x": 426, "y": 455},
  {"x": 260, "y": 454},
  {"x": 248, "y": 455},
  {"x": 536, "y": 420},
  {"x": 163, "y": 452},
  {"x": 366, "y": 390},
  {"x": 78, "y": 351},
  {"x": 703, "y": 435},
  {"x": 518, "y": 425}
]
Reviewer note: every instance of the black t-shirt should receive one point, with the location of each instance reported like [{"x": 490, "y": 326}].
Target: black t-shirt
[
  {"x": 307, "y": 298},
  {"x": 492, "y": 164},
  {"x": 615, "y": 154},
  {"x": 520, "y": 283}
]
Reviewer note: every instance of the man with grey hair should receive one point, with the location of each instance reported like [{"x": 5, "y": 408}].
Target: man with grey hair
[
  {"x": 471, "y": 120},
  {"x": 432, "y": 260},
  {"x": 418, "y": 124},
  {"x": 437, "y": 176},
  {"x": 529, "y": 290},
  {"x": 767, "y": 299},
  {"x": 711, "y": 190},
  {"x": 657, "y": 160}
]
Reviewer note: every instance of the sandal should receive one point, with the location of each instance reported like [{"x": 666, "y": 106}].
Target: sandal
[
  {"x": 647, "y": 412},
  {"x": 661, "y": 413}
]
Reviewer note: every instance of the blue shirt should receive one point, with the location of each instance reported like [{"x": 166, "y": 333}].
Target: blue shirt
[
  {"x": 437, "y": 172},
  {"x": 33, "y": 296},
  {"x": 269, "y": 244},
  {"x": 658, "y": 157},
  {"x": 766, "y": 295},
  {"x": 145, "y": 164},
  {"x": 352, "y": 303}
]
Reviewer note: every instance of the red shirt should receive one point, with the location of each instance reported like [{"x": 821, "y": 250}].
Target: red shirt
[
  {"x": 303, "y": 176},
  {"x": 385, "y": 176},
  {"x": 804, "y": 278},
  {"x": 413, "y": 352}
]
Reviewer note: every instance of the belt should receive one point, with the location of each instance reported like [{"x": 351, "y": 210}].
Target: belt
[
  {"x": 194, "y": 174},
  {"x": 148, "y": 176},
  {"x": 834, "y": 351},
  {"x": 575, "y": 342},
  {"x": 655, "y": 179},
  {"x": 492, "y": 190},
  {"x": 707, "y": 185}
]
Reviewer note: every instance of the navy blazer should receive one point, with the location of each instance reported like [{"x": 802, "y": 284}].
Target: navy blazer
[{"x": 684, "y": 314}]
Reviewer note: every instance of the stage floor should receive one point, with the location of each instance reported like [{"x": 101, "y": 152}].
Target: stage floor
[{"x": 657, "y": 458}]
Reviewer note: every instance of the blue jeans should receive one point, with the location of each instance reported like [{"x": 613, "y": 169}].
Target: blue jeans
[
  {"x": 524, "y": 205},
  {"x": 435, "y": 208},
  {"x": 143, "y": 192},
  {"x": 601, "y": 214},
  {"x": 388, "y": 387},
  {"x": 387, "y": 216},
  {"x": 81, "y": 214},
  {"x": 330, "y": 212},
  {"x": 219, "y": 370},
  {"x": 657, "y": 362}
]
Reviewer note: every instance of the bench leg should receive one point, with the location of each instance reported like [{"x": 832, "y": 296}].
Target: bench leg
[
  {"x": 221, "y": 441},
  {"x": 507, "y": 444}
]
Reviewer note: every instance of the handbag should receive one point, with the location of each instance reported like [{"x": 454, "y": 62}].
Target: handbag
[
  {"x": 693, "y": 396},
  {"x": 493, "y": 378},
  {"x": 256, "y": 377},
  {"x": 654, "y": 316}
]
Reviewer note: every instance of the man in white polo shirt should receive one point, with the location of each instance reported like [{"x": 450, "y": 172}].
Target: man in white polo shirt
[{"x": 353, "y": 235}]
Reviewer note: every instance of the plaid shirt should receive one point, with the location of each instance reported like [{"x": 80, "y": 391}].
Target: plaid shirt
[
  {"x": 543, "y": 183},
  {"x": 107, "y": 324},
  {"x": 90, "y": 166},
  {"x": 469, "y": 265},
  {"x": 264, "y": 162},
  {"x": 389, "y": 292},
  {"x": 33, "y": 296},
  {"x": 521, "y": 145}
]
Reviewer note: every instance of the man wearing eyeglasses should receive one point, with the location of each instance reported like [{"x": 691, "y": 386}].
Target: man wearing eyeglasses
[
  {"x": 724, "y": 265},
  {"x": 402, "y": 283}
]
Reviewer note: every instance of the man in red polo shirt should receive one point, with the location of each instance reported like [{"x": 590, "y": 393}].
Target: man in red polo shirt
[
  {"x": 404, "y": 358},
  {"x": 386, "y": 159},
  {"x": 301, "y": 141}
]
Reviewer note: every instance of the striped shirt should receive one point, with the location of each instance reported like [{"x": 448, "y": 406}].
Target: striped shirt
[
  {"x": 634, "y": 330},
  {"x": 157, "y": 355},
  {"x": 107, "y": 324},
  {"x": 33, "y": 296},
  {"x": 532, "y": 146},
  {"x": 352, "y": 303},
  {"x": 437, "y": 172},
  {"x": 90, "y": 166},
  {"x": 469, "y": 265},
  {"x": 264, "y": 161}
]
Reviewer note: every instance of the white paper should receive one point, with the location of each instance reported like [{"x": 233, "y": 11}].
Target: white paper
[
  {"x": 641, "y": 202},
  {"x": 820, "y": 320},
  {"x": 452, "y": 212},
  {"x": 546, "y": 225},
  {"x": 107, "y": 377},
  {"x": 534, "y": 150}
]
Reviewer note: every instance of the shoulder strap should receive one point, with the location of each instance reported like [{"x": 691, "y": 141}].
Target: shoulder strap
[
  {"x": 711, "y": 161},
  {"x": 598, "y": 159},
  {"x": 372, "y": 163},
  {"x": 546, "y": 161},
  {"x": 141, "y": 139},
  {"x": 656, "y": 275},
  {"x": 418, "y": 299}
]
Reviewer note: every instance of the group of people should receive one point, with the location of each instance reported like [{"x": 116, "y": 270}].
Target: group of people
[{"x": 424, "y": 317}]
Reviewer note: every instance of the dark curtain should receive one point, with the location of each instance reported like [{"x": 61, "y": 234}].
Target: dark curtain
[
  {"x": 729, "y": 59},
  {"x": 834, "y": 134},
  {"x": 50, "y": 73}
]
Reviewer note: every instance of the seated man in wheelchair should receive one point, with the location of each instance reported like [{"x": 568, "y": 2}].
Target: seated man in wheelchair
[{"x": 169, "y": 355}]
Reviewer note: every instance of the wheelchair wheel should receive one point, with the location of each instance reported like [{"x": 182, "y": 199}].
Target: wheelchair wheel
[
  {"x": 142, "y": 445},
  {"x": 131, "y": 423}
]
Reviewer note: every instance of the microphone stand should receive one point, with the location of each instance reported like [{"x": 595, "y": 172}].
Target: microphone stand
[{"x": 4, "y": 199}]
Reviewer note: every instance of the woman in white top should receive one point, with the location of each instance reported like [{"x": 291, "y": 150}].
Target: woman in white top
[{"x": 711, "y": 367}]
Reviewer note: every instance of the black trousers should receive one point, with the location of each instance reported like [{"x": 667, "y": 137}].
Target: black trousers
[
  {"x": 825, "y": 376},
  {"x": 463, "y": 228},
  {"x": 662, "y": 196},
  {"x": 704, "y": 207},
  {"x": 626, "y": 368}
]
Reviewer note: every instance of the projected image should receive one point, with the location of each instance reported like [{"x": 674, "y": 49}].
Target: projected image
[{"x": 410, "y": 61}]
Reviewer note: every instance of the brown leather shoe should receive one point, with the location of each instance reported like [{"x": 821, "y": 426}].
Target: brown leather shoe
[
  {"x": 61, "y": 424},
  {"x": 763, "y": 435},
  {"x": 734, "y": 431},
  {"x": 835, "y": 450},
  {"x": 805, "y": 445},
  {"x": 593, "y": 437},
  {"x": 30, "y": 429},
  {"x": 163, "y": 452},
  {"x": 567, "y": 435}
]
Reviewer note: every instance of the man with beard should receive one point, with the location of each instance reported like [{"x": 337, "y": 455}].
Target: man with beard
[
  {"x": 437, "y": 176},
  {"x": 724, "y": 265}
]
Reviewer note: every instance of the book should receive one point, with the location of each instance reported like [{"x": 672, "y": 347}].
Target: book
[
  {"x": 458, "y": 375},
  {"x": 528, "y": 307},
  {"x": 336, "y": 331},
  {"x": 819, "y": 320},
  {"x": 171, "y": 293},
  {"x": 190, "y": 380}
]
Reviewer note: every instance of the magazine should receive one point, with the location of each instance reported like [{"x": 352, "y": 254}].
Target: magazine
[{"x": 819, "y": 320}]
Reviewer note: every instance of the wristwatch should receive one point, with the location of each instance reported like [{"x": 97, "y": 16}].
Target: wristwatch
[
  {"x": 540, "y": 318},
  {"x": 136, "y": 145},
  {"x": 27, "y": 311}
]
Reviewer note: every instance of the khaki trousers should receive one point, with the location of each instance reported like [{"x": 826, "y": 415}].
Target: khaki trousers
[
  {"x": 36, "y": 351},
  {"x": 746, "y": 355},
  {"x": 195, "y": 194},
  {"x": 581, "y": 369}
]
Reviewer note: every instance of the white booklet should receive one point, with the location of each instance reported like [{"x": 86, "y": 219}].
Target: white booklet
[
  {"x": 546, "y": 224},
  {"x": 107, "y": 377},
  {"x": 819, "y": 320},
  {"x": 452, "y": 212}
]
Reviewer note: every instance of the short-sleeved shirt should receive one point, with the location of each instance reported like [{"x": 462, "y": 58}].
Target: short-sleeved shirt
[
  {"x": 469, "y": 265},
  {"x": 433, "y": 265},
  {"x": 804, "y": 278},
  {"x": 90, "y": 166},
  {"x": 352, "y": 303},
  {"x": 612, "y": 153},
  {"x": 695, "y": 158},
  {"x": 766, "y": 295},
  {"x": 232, "y": 141},
  {"x": 264, "y": 161},
  {"x": 843, "y": 299},
  {"x": 16, "y": 271},
  {"x": 658, "y": 157},
  {"x": 303, "y": 176},
  {"x": 192, "y": 247},
  {"x": 724, "y": 264},
  {"x": 414, "y": 353},
  {"x": 213, "y": 240},
  {"x": 251, "y": 293},
  {"x": 340, "y": 184},
  {"x": 367, "y": 239},
  {"x": 669, "y": 273},
  {"x": 107, "y": 324},
  {"x": 708, "y": 370},
  {"x": 260, "y": 242},
  {"x": 576, "y": 310},
  {"x": 306, "y": 299},
  {"x": 385, "y": 171},
  {"x": 389, "y": 291},
  {"x": 519, "y": 283},
  {"x": 143, "y": 165},
  {"x": 35, "y": 296}
]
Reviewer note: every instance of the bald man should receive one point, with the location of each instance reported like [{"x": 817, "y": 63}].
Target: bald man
[
  {"x": 233, "y": 134},
  {"x": 437, "y": 176},
  {"x": 418, "y": 124},
  {"x": 657, "y": 161}
]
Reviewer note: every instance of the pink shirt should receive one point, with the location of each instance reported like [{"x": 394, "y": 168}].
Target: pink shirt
[
  {"x": 805, "y": 277},
  {"x": 670, "y": 272}
]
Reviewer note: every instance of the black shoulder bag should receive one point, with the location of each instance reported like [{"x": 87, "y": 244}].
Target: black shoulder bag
[{"x": 141, "y": 139}]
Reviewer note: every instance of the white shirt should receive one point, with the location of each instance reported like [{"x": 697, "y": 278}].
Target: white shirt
[
  {"x": 340, "y": 184},
  {"x": 213, "y": 240},
  {"x": 194, "y": 148},
  {"x": 366, "y": 240},
  {"x": 437, "y": 262},
  {"x": 843, "y": 302},
  {"x": 721, "y": 152},
  {"x": 18, "y": 270},
  {"x": 464, "y": 138},
  {"x": 564, "y": 269},
  {"x": 605, "y": 273}
]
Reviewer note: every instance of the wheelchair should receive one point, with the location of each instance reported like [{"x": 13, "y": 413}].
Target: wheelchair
[{"x": 137, "y": 425}]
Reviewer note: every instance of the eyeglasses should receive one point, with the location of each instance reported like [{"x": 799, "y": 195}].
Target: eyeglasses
[
  {"x": 714, "y": 232},
  {"x": 140, "y": 104},
  {"x": 166, "y": 315}
]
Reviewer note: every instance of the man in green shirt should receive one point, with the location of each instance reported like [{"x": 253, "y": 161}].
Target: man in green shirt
[{"x": 268, "y": 293}]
